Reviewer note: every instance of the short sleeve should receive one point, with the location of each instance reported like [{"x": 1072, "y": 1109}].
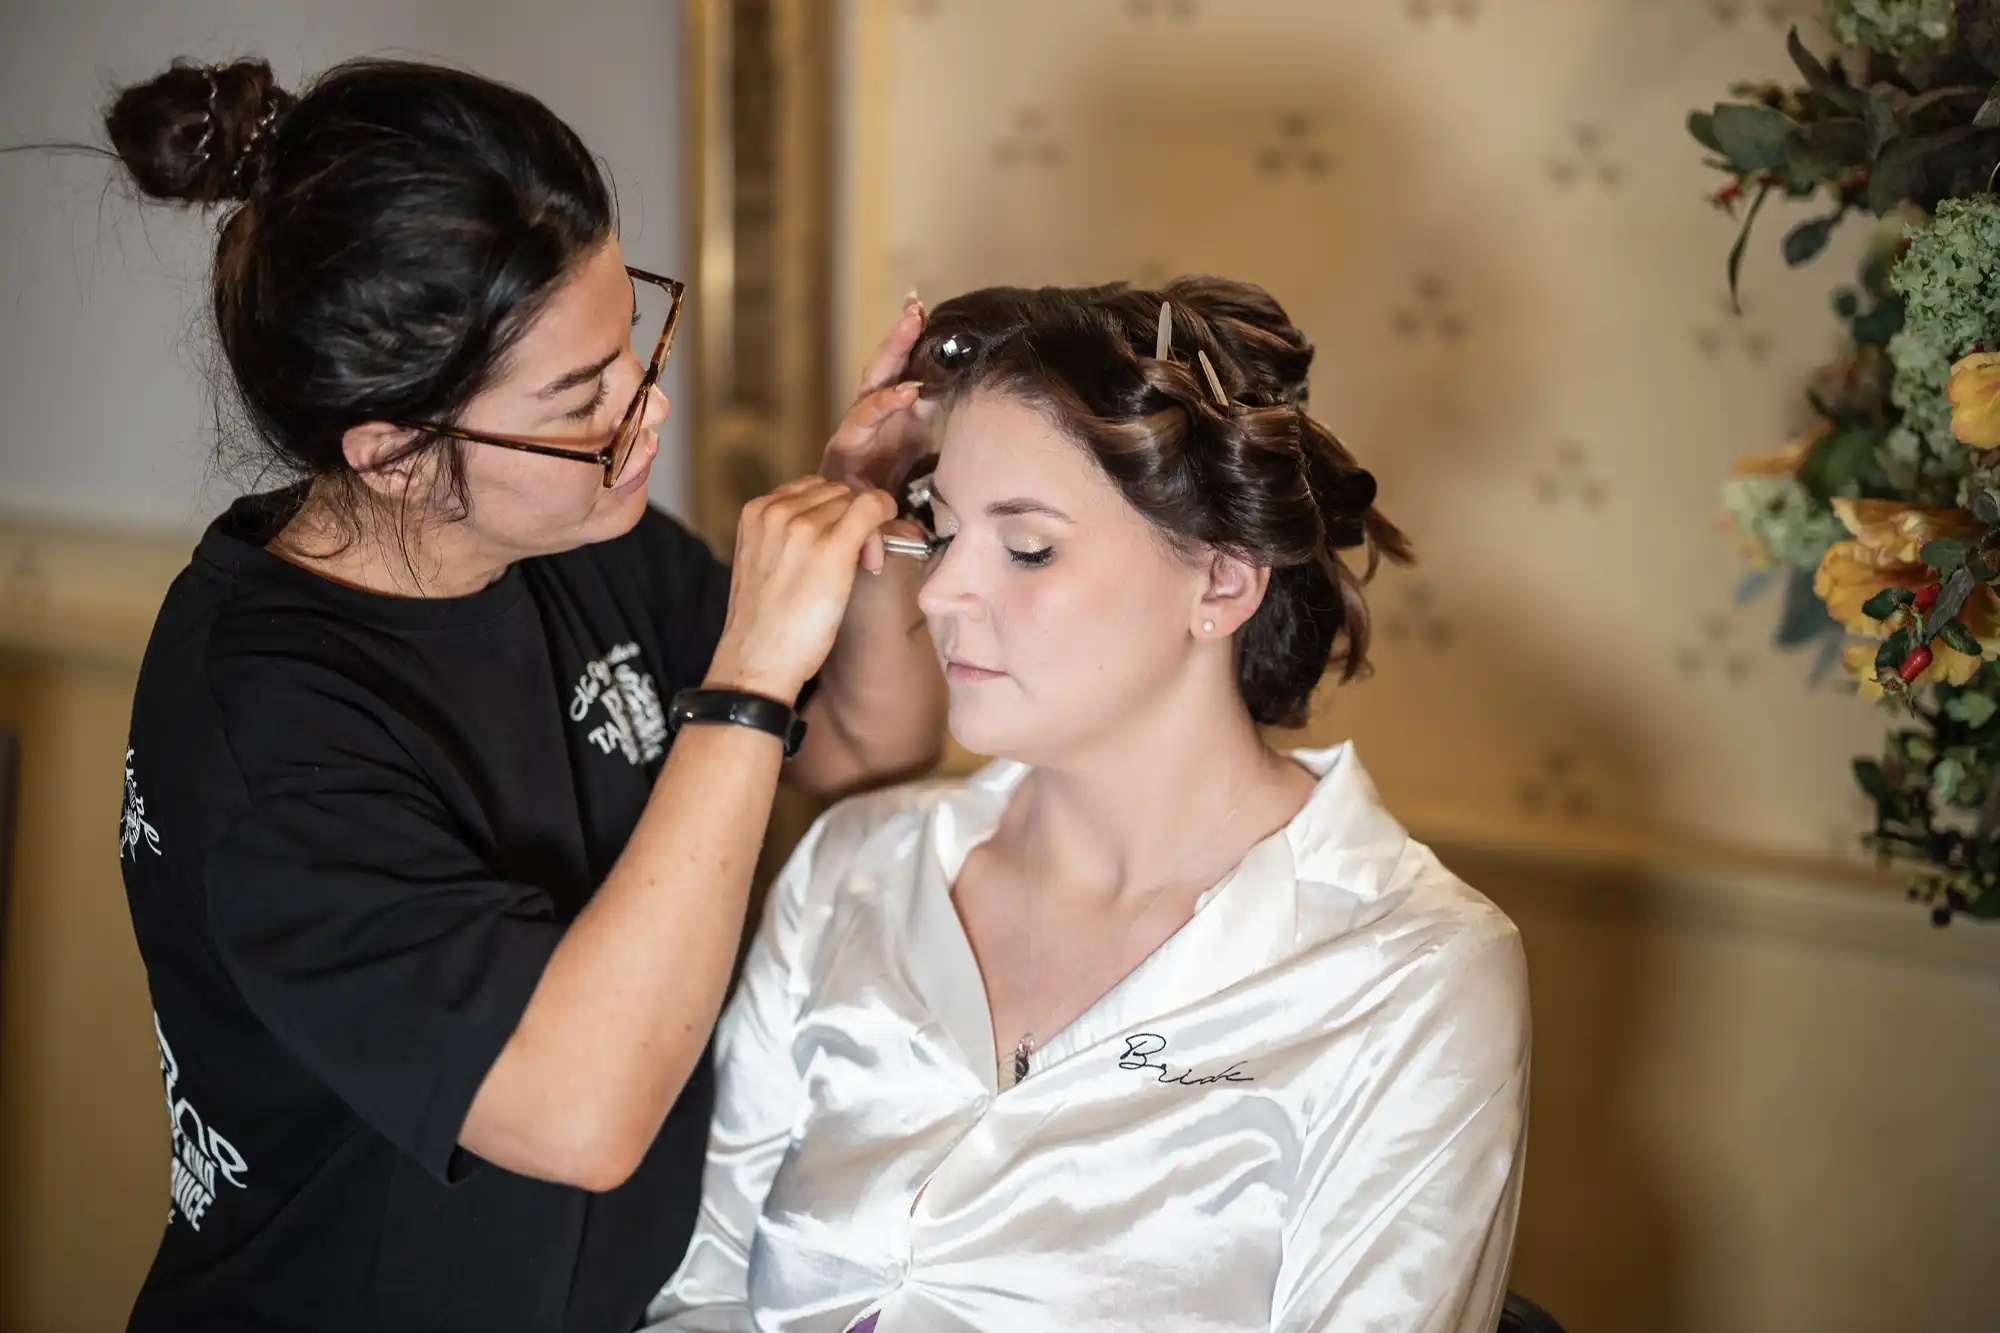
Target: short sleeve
[{"x": 359, "y": 923}]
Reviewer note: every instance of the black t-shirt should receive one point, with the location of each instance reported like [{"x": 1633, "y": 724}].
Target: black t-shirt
[{"x": 355, "y": 827}]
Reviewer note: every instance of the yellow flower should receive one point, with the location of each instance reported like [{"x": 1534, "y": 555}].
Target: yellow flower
[
  {"x": 1884, "y": 554},
  {"x": 1974, "y": 390},
  {"x": 1785, "y": 462}
]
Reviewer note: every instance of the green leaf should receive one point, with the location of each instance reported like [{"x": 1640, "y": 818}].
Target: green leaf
[
  {"x": 1845, "y": 303},
  {"x": 1844, "y": 462},
  {"x": 1988, "y": 115},
  {"x": 1893, "y": 650},
  {"x": 1868, "y": 774},
  {"x": 1945, "y": 553},
  {"x": 1809, "y": 238},
  {"x": 1841, "y": 140},
  {"x": 1879, "y": 325},
  {"x": 1702, "y": 126},
  {"x": 1986, "y": 506},
  {"x": 1924, "y": 169},
  {"x": 1978, "y": 23},
  {"x": 1954, "y": 633},
  {"x": 1736, "y": 250},
  {"x": 1755, "y": 138},
  {"x": 1974, "y": 710},
  {"x": 1819, "y": 78},
  {"x": 1882, "y": 124},
  {"x": 1884, "y": 603},
  {"x": 1951, "y": 600},
  {"x": 1945, "y": 778}
]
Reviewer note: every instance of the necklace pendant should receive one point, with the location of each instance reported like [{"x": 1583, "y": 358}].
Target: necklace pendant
[{"x": 1023, "y": 1049}]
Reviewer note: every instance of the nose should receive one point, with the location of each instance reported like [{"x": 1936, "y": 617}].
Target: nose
[
  {"x": 656, "y": 409},
  {"x": 947, "y": 587}
]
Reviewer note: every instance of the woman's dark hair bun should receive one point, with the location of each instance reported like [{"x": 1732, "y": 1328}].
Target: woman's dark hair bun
[{"x": 200, "y": 134}]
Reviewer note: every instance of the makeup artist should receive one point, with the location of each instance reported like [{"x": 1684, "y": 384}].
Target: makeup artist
[{"x": 450, "y": 762}]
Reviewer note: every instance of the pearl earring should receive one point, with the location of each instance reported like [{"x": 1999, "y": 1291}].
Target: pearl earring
[{"x": 1208, "y": 627}]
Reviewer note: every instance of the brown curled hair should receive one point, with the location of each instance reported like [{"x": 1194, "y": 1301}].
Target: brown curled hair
[{"x": 1260, "y": 477}]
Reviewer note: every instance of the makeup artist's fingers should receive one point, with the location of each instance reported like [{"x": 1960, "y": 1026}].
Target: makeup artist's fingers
[
  {"x": 886, "y": 362},
  {"x": 797, "y": 551}
]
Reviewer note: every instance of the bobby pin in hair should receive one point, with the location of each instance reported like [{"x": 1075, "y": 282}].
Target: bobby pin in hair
[{"x": 1214, "y": 381}]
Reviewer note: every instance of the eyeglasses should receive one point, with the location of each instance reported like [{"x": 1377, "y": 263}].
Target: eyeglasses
[{"x": 613, "y": 456}]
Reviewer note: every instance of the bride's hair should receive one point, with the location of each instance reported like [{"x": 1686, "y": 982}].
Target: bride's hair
[{"x": 1257, "y": 477}]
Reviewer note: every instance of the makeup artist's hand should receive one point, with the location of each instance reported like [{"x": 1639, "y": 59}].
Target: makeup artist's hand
[
  {"x": 797, "y": 552},
  {"x": 887, "y": 428}
]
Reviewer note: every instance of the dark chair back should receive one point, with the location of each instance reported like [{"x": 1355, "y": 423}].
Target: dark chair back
[{"x": 1521, "y": 1315}]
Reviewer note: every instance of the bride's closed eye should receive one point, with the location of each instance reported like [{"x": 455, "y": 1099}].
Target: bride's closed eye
[{"x": 1026, "y": 559}]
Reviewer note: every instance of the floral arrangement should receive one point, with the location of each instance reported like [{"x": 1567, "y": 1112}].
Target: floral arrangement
[{"x": 1882, "y": 522}]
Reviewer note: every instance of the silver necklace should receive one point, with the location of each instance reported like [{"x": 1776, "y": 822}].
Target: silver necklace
[{"x": 1024, "y": 1049}]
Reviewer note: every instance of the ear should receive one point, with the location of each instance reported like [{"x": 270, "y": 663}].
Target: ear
[
  {"x": 380, "y": 454},
  {"x": 1234, "y": 591}
]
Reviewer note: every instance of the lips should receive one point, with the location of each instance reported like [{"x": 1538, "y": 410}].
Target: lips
[{"x": 966, "y": 671}]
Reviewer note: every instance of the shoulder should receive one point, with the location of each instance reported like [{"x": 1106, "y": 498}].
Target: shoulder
[{"x": 885, "y": 826}]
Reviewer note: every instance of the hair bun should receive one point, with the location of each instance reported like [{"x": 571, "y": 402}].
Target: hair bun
[{"x": 199, "y": 134}]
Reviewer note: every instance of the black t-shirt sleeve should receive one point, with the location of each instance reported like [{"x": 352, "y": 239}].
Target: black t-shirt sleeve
[
  {"x": 356, "y": 919},
  {"x": 692, "y": 594}
]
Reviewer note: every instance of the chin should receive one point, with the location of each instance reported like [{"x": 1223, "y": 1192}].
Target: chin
[{"x": 987, "y": 731}]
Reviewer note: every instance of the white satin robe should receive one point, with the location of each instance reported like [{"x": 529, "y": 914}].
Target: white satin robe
[{"x": 1304, "y": 1112}]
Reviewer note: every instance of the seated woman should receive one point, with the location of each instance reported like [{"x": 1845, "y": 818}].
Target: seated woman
[{"x": 1145, "y": 1025}]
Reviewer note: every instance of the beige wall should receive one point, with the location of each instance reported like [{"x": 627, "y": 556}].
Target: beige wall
[
  {"x": 83, "y": 1129},
  {"x": 1764, "y": 1086}
]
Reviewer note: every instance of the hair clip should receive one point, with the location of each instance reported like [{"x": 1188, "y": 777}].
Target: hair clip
[
  {"x": 956, "y": 345},
  {"x": 918, "y": 492},
  {"x": 207, "y": 117},
  {"x": 1163, "y": 343},
  {"x": 1214, "y": 382}
]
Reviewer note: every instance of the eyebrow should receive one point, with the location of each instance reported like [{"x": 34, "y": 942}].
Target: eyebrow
[
  {"x": 1009, "y": 508},
  {"x": 581, "y": 375}
]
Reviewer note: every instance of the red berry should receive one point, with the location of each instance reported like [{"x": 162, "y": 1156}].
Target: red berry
[
  {"x": 1914, "y": 664},
  {"x": 1927, "y": 597}
]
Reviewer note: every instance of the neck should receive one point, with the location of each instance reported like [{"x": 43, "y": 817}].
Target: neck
[
  {"x": 1162, "y": 801},
  {"x": 435, "y": 559}
]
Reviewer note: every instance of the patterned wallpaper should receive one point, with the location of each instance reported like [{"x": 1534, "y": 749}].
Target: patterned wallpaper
[{"x": 1488, "y": 217}]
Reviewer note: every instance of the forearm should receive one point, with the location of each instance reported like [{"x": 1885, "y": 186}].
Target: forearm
[
  {"x": 625, "y": 1006},
  {"x": 880, "y": 706}
]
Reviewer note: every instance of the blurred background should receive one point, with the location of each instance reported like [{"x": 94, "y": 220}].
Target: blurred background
[{"x": 1766, "y": 1088}]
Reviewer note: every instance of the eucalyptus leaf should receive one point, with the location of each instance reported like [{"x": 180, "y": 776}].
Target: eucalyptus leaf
[
  {"x": 1842, "y": 140},
  {"x": 1945, "y": 553},
  {"x": 1702, "y": 126},
  {"x": 1868, "y": 774},
  {"x": 1882, "y": 125},
  {"x": 1808, "y": 239},
  {"x": 1845, "y": 303},
  {"x": 1878, "y": 326},
  {"x": 1988, "y": 115},
  {"x": 1754, "y": 137},
  {"x": 1951, "y": 600},
  {"x": 1986, "y": 506}
]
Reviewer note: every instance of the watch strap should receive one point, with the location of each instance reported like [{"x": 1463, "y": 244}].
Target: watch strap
[{"x": 741, "y": 708}]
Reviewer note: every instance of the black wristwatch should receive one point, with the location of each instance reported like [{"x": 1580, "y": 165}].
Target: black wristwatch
[{"x": 742, "y": 708}]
